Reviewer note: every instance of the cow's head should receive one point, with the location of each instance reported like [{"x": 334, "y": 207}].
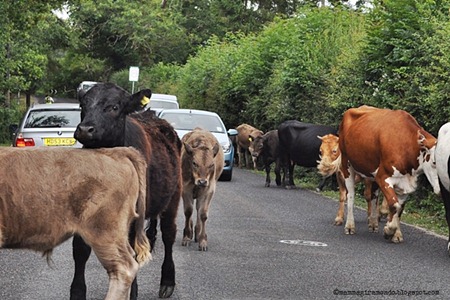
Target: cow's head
[
  {"x": 256, "y": 150},
  {"x": 104, "y": 109},
  {"x": 330, "y": 155},
  {"x": 427, "y": 159},
  {"x": 202, "y": 160},
  {"x": 256, "y": 134}
]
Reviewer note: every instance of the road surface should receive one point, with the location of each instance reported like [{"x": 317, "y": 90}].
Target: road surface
[{"x": 264, "y": 243}]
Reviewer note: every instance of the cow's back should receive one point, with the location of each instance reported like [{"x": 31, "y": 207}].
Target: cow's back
[
  {"x": 54, "y": 192},
  {"x": 161, "y": 146},
  {"x": 391, "y": 135},
  {"x": 299, "y": 141}
]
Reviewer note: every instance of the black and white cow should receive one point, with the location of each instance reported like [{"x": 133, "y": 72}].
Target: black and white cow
[{"x": 442, "y": 156}]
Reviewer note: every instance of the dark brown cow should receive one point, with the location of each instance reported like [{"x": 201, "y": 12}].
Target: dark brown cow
[
  {"x": 329, "y": 153},
  {"x": 202, "y": 163},
  {"x": 246, "y": 135},
  {"x": 391, "y": 148},
  {"x": 265, "y": 152},
  {"x": 109, "y": 119},
  {"x": 48, "y": 195}
]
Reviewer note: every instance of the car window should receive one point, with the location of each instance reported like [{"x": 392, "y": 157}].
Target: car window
[
  {"x": 190, "y": 121},
  {"x": 162, "y": 104},
  {"x": 52, "y": 118}
]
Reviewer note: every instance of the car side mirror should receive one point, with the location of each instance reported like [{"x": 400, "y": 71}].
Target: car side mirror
[{"x": 232, "y": 132}]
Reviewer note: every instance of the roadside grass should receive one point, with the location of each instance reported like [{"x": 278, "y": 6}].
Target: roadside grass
[{"x": 423, "y": 208}]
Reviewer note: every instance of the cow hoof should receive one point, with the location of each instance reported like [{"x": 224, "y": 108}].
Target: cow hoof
[
  {"x": 338, "y": 222},
  {"x": 267, "y": 185},
  {"x": 165, "y": 291},
  {"x": 202, "y": 248},
  {"x": 185, "y": 242},
  {"x": 373, "y": 229},
  {"x": 350, "y": 231}
]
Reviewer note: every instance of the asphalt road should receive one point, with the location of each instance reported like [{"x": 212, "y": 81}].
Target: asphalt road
[{"x": 264, "y": 243}]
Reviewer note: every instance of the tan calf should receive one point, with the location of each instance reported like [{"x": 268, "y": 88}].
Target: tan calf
[
  {"x": 244, "y": 140},
  {"x": 202, "y": 163},
  {"x": 49, "y": 194}
]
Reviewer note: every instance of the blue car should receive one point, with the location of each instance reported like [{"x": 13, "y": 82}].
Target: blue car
[{"x": 185, "y": 120}]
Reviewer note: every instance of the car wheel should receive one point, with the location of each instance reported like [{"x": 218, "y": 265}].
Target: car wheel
[{"x": 226, "y": 175}]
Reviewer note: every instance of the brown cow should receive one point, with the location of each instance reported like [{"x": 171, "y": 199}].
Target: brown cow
[
  {"x": 329, "y": 153},
  {"x": 264, "y": 152},
  {"x": 391, "y": 148},
  {"x": 244, "y": 141},
  {"x": 202, "y": 163},
  {"x": 48, "y": 195}
]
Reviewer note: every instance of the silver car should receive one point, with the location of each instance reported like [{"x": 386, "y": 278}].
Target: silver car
[
  {"x": 49, "y": 125},
  {"x": 185, "y": 120}
]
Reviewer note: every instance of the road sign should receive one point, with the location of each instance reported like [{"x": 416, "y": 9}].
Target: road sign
[{"x": 134, "y": 74}]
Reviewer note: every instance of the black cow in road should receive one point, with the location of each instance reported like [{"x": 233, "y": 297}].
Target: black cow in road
[
  {"x": 109, "y": 119},
  {"x": 300, "y": 145},
  {"x": 265, "y": 151}
]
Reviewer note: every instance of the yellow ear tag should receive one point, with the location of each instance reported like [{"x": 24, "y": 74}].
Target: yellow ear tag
[
  {"x": 145, "y": 101},
  {"x": 250, "y": 139}
]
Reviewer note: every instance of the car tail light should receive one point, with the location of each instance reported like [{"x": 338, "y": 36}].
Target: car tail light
[{"x": 24, "y": 142}]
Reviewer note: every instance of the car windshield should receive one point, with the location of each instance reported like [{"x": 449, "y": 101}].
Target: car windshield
[
  {"x": 190, "y": 121},
  {"x": 53, "y": 118},
  {"x": 162, "y": 104}
]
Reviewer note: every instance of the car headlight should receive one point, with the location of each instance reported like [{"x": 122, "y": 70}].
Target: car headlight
[{"x": 226, "y": 147}]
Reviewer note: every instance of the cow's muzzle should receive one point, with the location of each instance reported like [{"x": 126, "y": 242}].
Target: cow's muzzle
[
  {"x": 202, "y": 183},
  {"x": 84, "y": 133}
]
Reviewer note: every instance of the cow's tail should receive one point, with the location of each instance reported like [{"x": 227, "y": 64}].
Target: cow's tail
[
  {"x": 328, "y": 167},
  {"x": 141, "y": 243}
]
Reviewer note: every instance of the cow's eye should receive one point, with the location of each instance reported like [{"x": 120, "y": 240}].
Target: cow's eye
[
  {"x": 115, "y": 107},
  {"x": 194, "y": 164}
]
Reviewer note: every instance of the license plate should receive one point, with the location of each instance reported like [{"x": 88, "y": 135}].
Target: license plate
[{"x": 59, "y": 141}]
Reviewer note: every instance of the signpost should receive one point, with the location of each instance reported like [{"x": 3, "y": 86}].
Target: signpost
[{"x": 133, "y": 77}]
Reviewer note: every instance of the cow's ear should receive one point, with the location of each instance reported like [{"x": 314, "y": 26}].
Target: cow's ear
[
  {"x": 216, "y": 149},
  {"x": 188, "y": 148},
  {"x": 140, "y": 99}
]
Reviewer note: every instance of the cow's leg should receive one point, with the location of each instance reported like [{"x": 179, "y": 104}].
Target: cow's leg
[
  {"x": 392, "y": 227},
  {"x": 350, "y": 186},
  {"x": 291, "y": 175},
  {"x": 169, "y": 232},
  {"x": 241, "y": 152},
  {"x": 248, "y": 159},
  {"x": 384, "y": 209},
  {"x": 117, "y": 257},
  {"x": 371, "y": 196},
  {"x": 81, "y": 253},
  {"x": 322, "y": 183},
  {"x": 202, "y": 215},
  {"x": 446, "y": 199},
  {"x": 339, "y": 220},
  {"x": 277, "y": 172},
  {"x": 267, "y": 167},
  {"x": 188, "y": 203}
]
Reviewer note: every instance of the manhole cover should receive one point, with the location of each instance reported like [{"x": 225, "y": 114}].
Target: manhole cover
[{"x": 304, "y": 243}]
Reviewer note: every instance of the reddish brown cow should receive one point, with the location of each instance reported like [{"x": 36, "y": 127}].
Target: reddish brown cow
[
  {"x": 329, "y": 153},
  {"x": 244, "y": 140},
  {"x": 202, "y": 163},
  {"x": 390, "y": 148},
  {"x": 48, "y": 195}
]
